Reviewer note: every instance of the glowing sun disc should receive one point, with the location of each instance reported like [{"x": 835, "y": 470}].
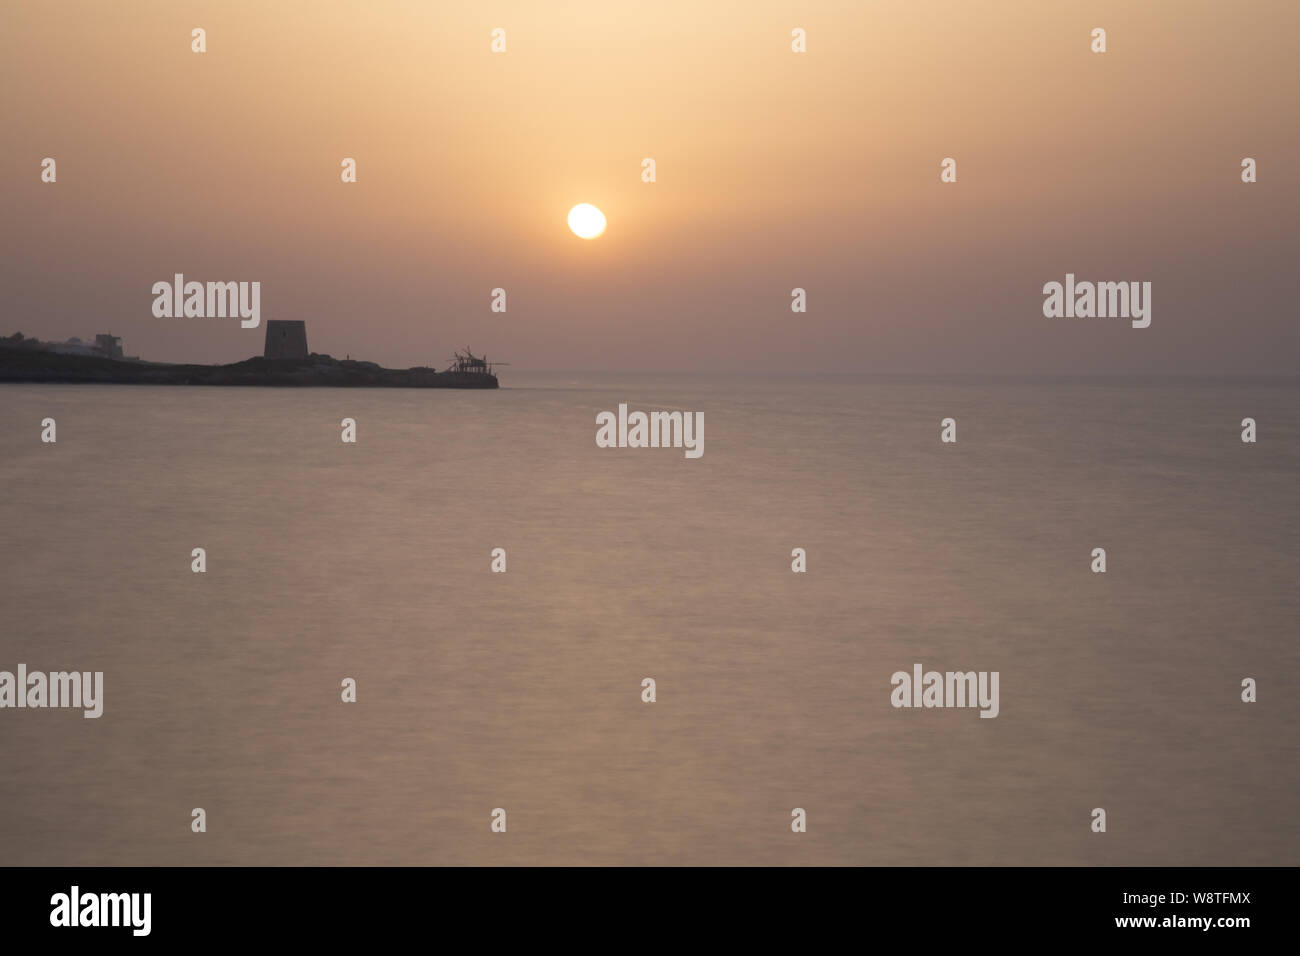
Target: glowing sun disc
[{"x": 586, "y": 221}]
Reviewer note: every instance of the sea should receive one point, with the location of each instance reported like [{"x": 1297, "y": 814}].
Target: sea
[{"x": 524, "y": 692}]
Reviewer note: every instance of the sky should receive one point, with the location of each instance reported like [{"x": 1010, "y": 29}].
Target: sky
[{"x": 774, "y": 170}]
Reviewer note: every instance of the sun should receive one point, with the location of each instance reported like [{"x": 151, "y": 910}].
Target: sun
[{"x": 586, "y": 221}]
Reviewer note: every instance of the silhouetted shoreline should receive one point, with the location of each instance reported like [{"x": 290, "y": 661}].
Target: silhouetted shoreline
[{"x": 41, "y": 366}]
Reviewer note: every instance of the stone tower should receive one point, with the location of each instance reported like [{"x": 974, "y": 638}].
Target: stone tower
[{"x": 286, "y": 339}]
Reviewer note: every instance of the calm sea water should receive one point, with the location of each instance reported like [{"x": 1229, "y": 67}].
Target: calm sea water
[{"x": 522, "y": 690}]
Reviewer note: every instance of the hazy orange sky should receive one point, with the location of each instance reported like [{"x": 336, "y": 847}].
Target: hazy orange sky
[{"x": 775, "y": 170}]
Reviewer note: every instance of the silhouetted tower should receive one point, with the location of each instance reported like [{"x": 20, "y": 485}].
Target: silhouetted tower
[{"x": 286, "y": 339}]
